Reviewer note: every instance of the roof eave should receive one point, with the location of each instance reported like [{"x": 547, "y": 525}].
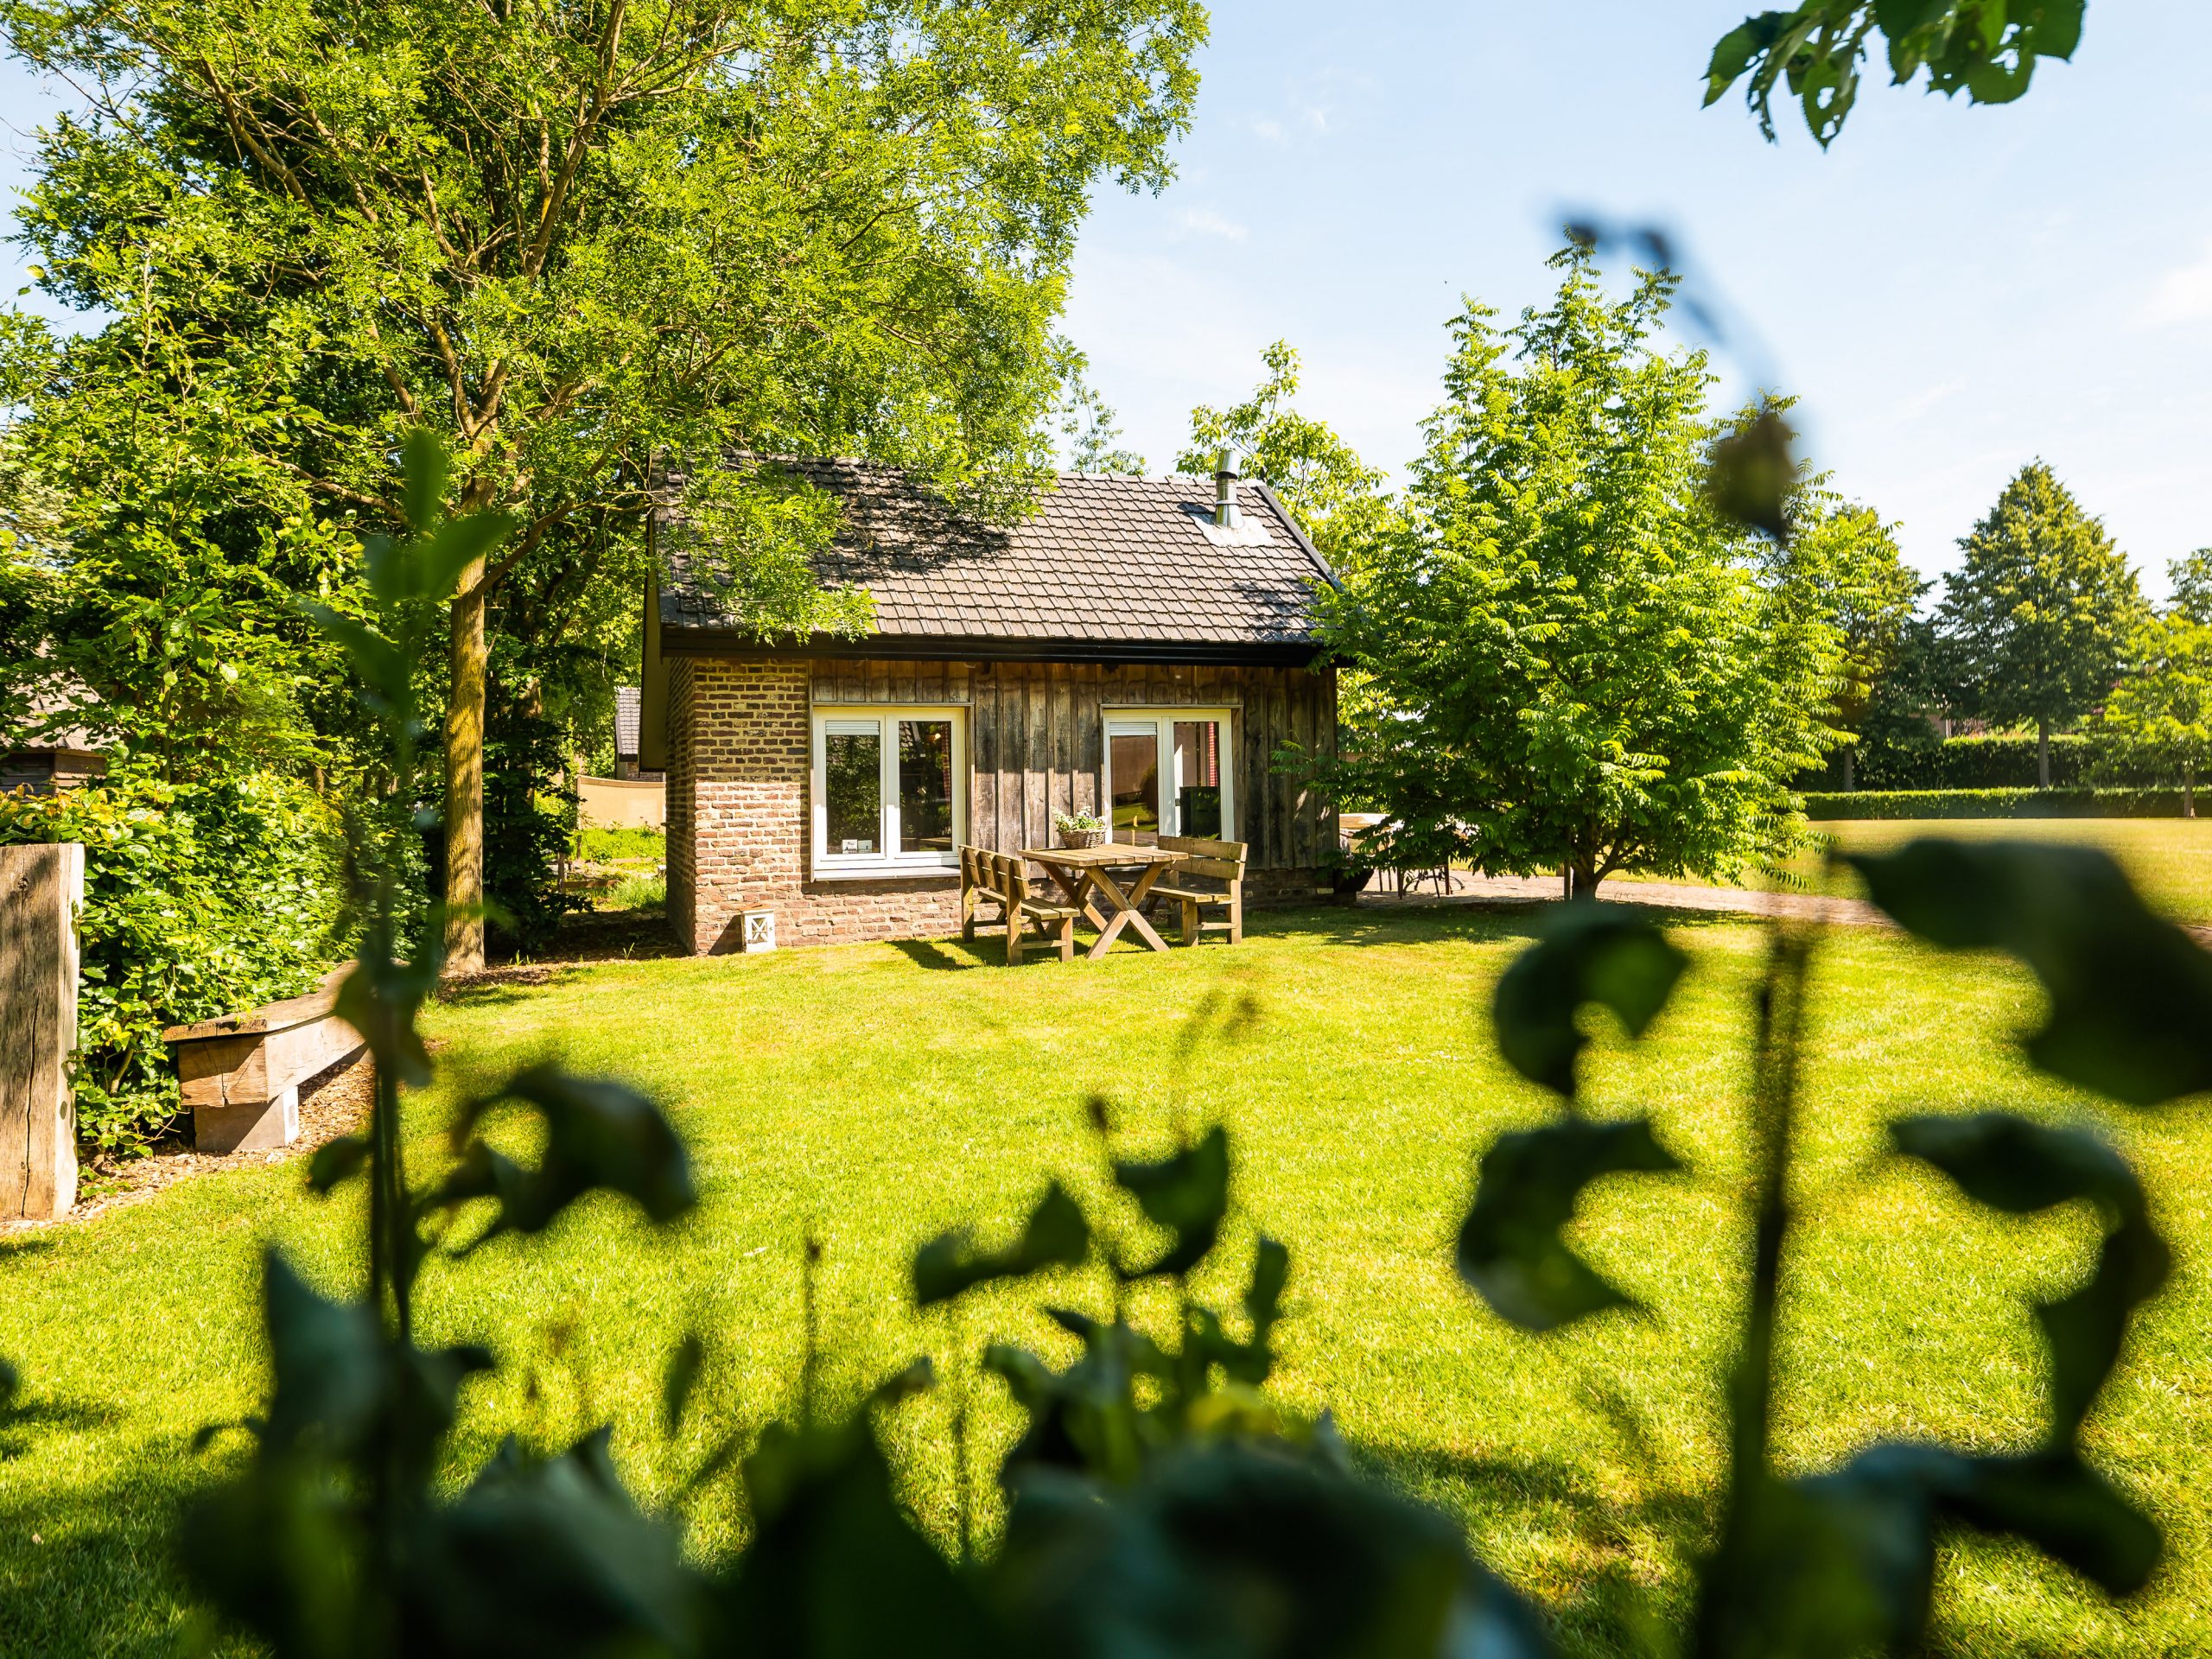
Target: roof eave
[{"x": 677, "y": 641}]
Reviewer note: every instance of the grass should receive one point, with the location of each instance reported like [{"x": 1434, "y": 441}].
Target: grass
[
  {"x": 877, "y": 1094},
  {"x": 2169, "y": 859}
]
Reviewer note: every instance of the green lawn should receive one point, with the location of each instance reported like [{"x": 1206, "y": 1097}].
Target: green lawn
[
  {"x": 2170, "y": 859},
  {"x": 876, "y": 1094}
]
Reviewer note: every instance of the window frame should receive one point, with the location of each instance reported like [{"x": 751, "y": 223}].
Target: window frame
[
  {"x": 884, "y": 718},
  {"x": 1164, "y": 718}
]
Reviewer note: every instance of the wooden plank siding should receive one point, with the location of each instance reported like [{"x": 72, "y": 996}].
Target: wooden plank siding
[{"x": 1036, "y": 738}]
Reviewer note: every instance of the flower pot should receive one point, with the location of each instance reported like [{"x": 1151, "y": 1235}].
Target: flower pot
[{"x": 1082, "y": 837}]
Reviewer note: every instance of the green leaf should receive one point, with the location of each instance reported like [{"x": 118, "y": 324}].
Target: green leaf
[
  {"x": 1241, "y": 1549},
  {"x": 1055, "y": 1236},
  {"x": 442, "y": 557},
  {"x": 836, "y": 1569},
  {"x": 1510, "y": 1251},
  {"x": 374, "y": 657},
  {"x": 2065, "y": 1509},
  {"x": 601, "y": 1135},
  {"x": 326, "y": 1359},
  {"x": 1587, "y": 953},
  {"x": 550, "y": 1556},
  {"x": 1829, "y": 1568},
  {"x": 424, "y": 470},
  {"x": 336, "y": 1161},
  {"x": 2130, "y": 993},
  {"x": 2057, "y": 30},
  {"x": 1188, "y": 1194},
  {"x": 1732, "y": 54},
  {"x": 1753, "y": 474},
  {"x": 2020, "y": 1167}
]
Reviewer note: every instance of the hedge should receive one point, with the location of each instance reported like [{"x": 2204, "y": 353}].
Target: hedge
[
  {"x": 200, "y": 899},
  {"x": 2078, "y": 760},
  {"x": 1995, "y": 803}
]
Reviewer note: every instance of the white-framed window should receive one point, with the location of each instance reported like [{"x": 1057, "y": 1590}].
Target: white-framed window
[
  {"x": 890, "y": 789},
  {"x": 1169, "y": 772}
]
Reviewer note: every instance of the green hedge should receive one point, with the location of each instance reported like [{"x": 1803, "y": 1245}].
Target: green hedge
[
  {"x": 199, "y": 900},
  {"x": 2077, "y": 762},
  {"x": 1995, "y": 803}
]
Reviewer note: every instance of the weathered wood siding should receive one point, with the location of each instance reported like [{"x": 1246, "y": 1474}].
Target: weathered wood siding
[{"x": 1036, "y": 739}]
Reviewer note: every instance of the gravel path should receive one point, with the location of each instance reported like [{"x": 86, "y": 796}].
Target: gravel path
[{"x": 1468, "y": 889}]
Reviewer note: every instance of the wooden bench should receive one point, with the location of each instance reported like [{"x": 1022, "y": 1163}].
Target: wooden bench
[
  {"x": 242, "y": 1073},
  {"x": 989, "y": 877},
  {"x": 1206, "y": 861}
]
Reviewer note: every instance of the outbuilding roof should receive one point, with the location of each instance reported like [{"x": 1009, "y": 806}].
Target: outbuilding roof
[
  {"x": 626, "y": 722},
  {"x": 1106, "y": 569}
]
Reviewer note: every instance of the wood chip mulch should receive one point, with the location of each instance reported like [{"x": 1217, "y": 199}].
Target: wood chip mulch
[{"x": 332, "y": 1104}]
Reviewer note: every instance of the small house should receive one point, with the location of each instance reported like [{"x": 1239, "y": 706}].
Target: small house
[{"x": 1142, "y": 649}]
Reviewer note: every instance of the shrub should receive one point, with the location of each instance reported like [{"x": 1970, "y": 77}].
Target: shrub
[
  {"x": 199, "y": 900},
  {"x": 1995, "y": 803}
]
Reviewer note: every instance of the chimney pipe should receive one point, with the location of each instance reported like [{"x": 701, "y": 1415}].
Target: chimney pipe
[{"x": 1224, "y": 488}]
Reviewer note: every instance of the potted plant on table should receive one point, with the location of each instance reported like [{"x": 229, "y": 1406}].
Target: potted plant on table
[{"x": 1079, "y": 829}]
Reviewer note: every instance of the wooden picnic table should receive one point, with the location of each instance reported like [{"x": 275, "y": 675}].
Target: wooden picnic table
[{"x": 1085, "y": 875}]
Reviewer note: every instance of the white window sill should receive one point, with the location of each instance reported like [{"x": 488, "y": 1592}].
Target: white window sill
[{"x": 886, "y": 870}]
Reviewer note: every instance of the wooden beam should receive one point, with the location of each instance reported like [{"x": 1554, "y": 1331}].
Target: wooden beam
[{"x": 42, "y": 890}]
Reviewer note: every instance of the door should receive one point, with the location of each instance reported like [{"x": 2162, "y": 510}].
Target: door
[{"x": 1169, "y": 773}]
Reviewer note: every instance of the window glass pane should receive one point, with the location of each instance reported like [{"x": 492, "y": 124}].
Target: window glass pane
[
  {"x": 1134, "y": 763},
  {"x": 1198, "y": 777},
  {"x": 853, "y": 763},
  {"x": 924, "y": 785}
]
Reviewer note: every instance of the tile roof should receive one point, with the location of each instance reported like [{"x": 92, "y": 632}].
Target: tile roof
[{"x": 1102, "y": 562}]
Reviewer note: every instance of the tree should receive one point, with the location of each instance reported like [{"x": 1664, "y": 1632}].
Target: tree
[
  {"x": 1844, "y": 562},
  {"x": 1337, "y": 499},
  {"x": 2039, "y": 610},
  {"x": 1090, "y": 433},
  {"x": 2161, "y": 713},
  {"x": 1584, "y": 666},
  {"x": 579, "y": 243},
  {"x": 2192, "y": 581},
  {"x": 1986, "y": 48}
]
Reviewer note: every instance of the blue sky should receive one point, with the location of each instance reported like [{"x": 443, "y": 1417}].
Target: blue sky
[{"x": 1950, "y": 291}]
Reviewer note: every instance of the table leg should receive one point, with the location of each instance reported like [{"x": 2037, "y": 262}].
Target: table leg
[
  {"x": 1125, "y": 911},
  {"x": 1073, "y": 886}
]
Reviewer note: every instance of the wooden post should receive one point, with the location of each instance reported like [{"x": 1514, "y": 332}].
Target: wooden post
[{"x": 41, "y": 888}]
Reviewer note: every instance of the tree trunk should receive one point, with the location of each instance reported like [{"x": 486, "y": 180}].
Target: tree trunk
[
  {"x": 2042, "y": 754},
  {"x": 464, "y": 779},
  {"x": 1850, "y": 772},
  {"x": 2189, "y": 791},
  {"x": 1582, "y": 878}
]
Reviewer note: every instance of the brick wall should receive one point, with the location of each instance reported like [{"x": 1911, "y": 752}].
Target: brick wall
[{"x": 740, "y": 754}]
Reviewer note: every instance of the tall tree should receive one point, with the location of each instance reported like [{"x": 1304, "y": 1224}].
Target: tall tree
[
  {"x": 1091, "y": 433},
  {"x": 1337, "y": 499},
  {"x": 2161, "y": 713},
  {"x": 2039, "y": 611},
  {"x": 1843, "y": 561},
  {"x": 2192, "y": 584},
  {"x": 578, "y": 241},
  {"x": 1586, "y": 669}
]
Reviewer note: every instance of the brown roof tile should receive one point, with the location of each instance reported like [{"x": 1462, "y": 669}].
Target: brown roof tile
[{"x": 1101, "y": 560}]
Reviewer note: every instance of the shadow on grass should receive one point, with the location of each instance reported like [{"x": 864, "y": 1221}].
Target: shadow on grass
[
  {"x": 21, "y": 1422},
  {"x": 1603, "y": 1605},
  {"x": 101, "y": 1578}
]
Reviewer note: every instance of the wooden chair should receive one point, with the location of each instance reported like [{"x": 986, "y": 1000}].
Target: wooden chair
[
  {"x": 1206, "y": 861},
  {"x": 993, "y": 877}
]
